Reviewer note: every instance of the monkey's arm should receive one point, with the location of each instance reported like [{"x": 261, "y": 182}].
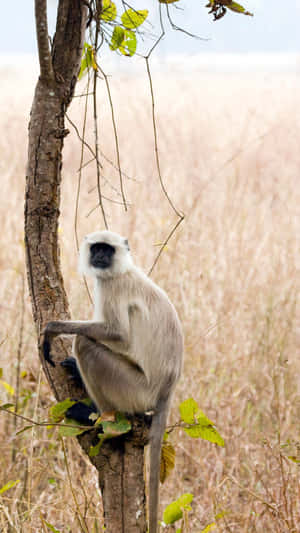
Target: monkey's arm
[{"x": 97, "y": 331}]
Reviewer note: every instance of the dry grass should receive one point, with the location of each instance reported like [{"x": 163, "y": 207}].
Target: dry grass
[{"x": 231, "y": 160}]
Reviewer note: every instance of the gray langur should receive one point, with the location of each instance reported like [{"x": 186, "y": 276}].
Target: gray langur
[{"x": 130, "y": 355}]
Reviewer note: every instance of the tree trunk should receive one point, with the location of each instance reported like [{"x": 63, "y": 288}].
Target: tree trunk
[{"x": 121, "y": 462}]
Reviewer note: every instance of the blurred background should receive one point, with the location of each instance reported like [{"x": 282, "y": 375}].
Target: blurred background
[{"x": 228, "y": 132}]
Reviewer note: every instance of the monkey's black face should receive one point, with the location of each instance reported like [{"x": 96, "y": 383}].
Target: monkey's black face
[{"x": 101, "y": 255}]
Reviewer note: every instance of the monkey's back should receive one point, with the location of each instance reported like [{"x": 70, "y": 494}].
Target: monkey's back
[{"x": 155, "y": 333}]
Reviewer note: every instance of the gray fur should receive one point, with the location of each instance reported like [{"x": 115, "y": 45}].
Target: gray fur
[{"x": 130, "y": 355}]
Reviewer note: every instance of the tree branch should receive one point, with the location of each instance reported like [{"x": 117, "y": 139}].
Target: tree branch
[{"x": 41, "y": 21}]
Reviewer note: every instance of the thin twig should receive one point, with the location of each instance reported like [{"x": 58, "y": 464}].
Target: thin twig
[
  {"x": 108, "y": 200},
  {"x": 19, "y": 353},
  {"x": 82, "y": 524},
  {"x": 261, "y": 499},
  {"x": 156, "y": 142},
  {"x": 95, "y": 74},
  {"x": 182, "y": 30},
  {"x": 178, "y": 214},
  {"x": 30, "y": 458},
  {"x": 115, "y": 135},
  {"x": 165, "y": 243},
  {"x": 79, "y": 183},
  {"x": 43, "y": 424},
  {"x": 80, "y": 168},
  {"x": 79, "y": 136}
]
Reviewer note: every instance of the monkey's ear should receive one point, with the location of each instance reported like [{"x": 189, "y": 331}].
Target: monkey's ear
[{"x": 126, "y": 243}]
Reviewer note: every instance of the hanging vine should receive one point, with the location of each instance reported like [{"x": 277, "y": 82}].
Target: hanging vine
[{"x": 121, "y": 32}]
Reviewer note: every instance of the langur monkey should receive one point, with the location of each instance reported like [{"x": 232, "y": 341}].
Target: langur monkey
[{"x": 130, "y": 355}]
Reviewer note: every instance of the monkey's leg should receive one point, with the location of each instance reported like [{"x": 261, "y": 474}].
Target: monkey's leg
[
  {"x": 71, "y": 367},
  {"x": 112, "y": 381},
  {"x": 79, "y": 411}
]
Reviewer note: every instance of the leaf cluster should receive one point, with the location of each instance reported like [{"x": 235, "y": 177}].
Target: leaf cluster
[
  {"x": 120, "y": 32},
  {"x": 108, "y": 429},
  {"x": 196, "y": 423},
  {"x": 219, "y": 8}
]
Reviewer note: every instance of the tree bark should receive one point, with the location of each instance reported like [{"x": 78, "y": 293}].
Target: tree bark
[{"x": 121, "y": 461}]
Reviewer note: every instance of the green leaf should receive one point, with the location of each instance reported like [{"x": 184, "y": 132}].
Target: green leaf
[
  {"x": 109, "y": 11},
  {"x": 234, "y": 6},
  {"x": 294, "y": 459},
  {"x": 57, "y": 411},
  {"x": 209, "y": 527},
  {"x": 174, "y": 511},
  {"x": 200, "y": 425},
  {"x": 111, "y": 430},
  {"x": 117, "y": 428},
  {"x": 117, "y": 38},
  {"x": 1, "y": 372},
  {"x": 206, "y": 432},
  {"x": 88, "y": 60},
  {"x": 94, "y": 450},
  {"x": 132, "y": 19},
  {"x": 128, "y": 46},
  {"x": 6, "y": 405},
  {"x": 66, "y": 431},
  {"x": 9, "y": 485},
  {"x": 51, "y": 527},
  {"x": 185, "y": 500},
  {"x": 168, "y": 1},
  {"x": 8, "y": 387},
  {"x": 124, "y": 41},
  {"x": 188, "y": 409},
  {"x": 213, "y": 525},
  {"x": 26, "y": 428}
]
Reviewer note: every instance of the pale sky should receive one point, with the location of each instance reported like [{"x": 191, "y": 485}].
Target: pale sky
[{"x": 274, "y": 28}]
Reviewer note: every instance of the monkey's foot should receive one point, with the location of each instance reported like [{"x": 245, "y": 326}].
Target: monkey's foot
[{"x": 82, "y": 412}]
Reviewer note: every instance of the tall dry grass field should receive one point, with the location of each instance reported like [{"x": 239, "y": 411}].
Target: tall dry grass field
[{"x": 230, "y": 158}]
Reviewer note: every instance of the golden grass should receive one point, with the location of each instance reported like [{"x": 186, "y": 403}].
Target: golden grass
[{"x": 229, "y": 147}]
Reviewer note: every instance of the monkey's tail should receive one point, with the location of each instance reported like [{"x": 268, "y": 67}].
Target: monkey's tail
[{"x": 159, "y": 422}]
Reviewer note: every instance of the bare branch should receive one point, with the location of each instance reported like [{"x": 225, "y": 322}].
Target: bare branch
[
  {"x": 164, "y": 244},
  {"x": 80, "y": 167},
  {"x": 115, "y": 135},
  {"x": 178, "y": 28},
  {"x": 95, "y": 73},
  {"x": 41, "y": 21}
]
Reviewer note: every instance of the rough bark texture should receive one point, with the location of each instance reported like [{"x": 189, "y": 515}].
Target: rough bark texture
[{"x": 121, "y": 462}]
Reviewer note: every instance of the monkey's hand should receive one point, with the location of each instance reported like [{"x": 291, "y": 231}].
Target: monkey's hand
[{"x": 46, "y": 347}]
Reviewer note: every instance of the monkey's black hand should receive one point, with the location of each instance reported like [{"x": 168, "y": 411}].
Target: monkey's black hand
[
  {"x": 47, "y": 351},
  {"x": 71, "y": 366}
]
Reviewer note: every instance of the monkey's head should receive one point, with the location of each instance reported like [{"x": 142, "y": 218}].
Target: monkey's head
[{"x": 104, "y": 254}]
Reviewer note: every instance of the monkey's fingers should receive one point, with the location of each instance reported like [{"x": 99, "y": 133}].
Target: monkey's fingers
[{"x": 47, "y": 352}]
